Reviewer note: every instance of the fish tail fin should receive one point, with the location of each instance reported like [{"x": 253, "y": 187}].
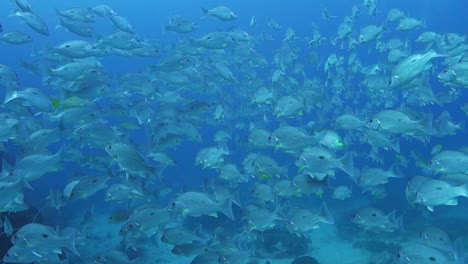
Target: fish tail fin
[
  {"x": 395, "y": 172},
  {"x": 399, "y": 223},
  {"x": 226, "y": 209},
  {"x": 236, "y": 199},
  {"x": 458, "y": 252},
  {"x": 426, "y": 123},
  {"x": 10, "y": 93},
  {"x": 70, "y": 243},
  {"x": 347, "y": 164},
  {"x": 205, "y": 12},
  {"x": 395, "y": 145},
  {"x": 465, "y": 190},
  {"x": 325, "y": 214}
]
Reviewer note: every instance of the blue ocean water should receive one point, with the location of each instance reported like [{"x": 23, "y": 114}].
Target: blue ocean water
[{"x": 153, "y": 104}]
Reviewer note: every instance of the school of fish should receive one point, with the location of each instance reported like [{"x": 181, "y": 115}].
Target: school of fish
[{"x": 283, "y": 144}]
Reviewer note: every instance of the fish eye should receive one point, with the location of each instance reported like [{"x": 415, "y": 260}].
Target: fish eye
[
  {"x": 445, "y": 71},
  {"x": 374, "y": 215},
  {"x": 45, "y": 235},
  {"x": 398, "y": 255},
  {"x": 433, "y": 259},
  {"x": 67, "y": 46},
  {"x": 370, "y": 121}
]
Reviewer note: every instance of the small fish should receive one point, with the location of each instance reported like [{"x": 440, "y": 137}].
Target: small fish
[
  {"x": 113, "y": 256},
  {"x": 198, "y": 204},
  {"x": 181, "y": 25},
  {"x": 342, "y": 192},
  {"x": 220, "y": 12},
  {"x": 27, "y": 255},
  {"x": 374, "y": 219},
  {"x": 1, "y": 28},
  {"x": 118, "y": 216},
  {"x": 85, "y": 187},
  {"x": 302, "y": 220},
  {"x": 42, "y": 238},
  {"x": 121, "y": 23},
  {"x": 23, "y": 5},
  {"x": 34, "y": 21},
  {"x": 15, "y": 37},
  {"x": 190, "y": 249},
  {"x": 180, "y": 236}
]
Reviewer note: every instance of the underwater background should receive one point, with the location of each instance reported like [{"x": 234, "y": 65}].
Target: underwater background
[{"x": 234, "y": 131}]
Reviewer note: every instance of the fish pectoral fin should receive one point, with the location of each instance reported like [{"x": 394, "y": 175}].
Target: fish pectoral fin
[
  {"x": 214, "y": 214},
  {"x": 453, "y": 202}
]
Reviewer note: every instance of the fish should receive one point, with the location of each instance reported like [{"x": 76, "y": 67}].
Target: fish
[
  {"x": 449, "y": 162},
  {"x": 77, "y": 14},
  {"x": 34, "y": 21},
  {"x": 411, "y": 67},
  {"x": 27, "y": 255},
  {"x": 129, "y": 159},
  {"x": 121, "y": 23},
  {"x": 264, "y": 193},
  {"x": 289, "y": 107},
  {"x": 102, "y": 10},
  {"x": 211, "y": 157},
  {"x": 370, "y": 33},
  {"x": 371, "y": 177},
  {"x": 409, "y": 23},
  {"x": 395, "y": 15},
  {"x": 85, "y": 187},
  {"x": 118, "y": 216},
  {"x": 23, "y": 5},
  {"x": 342, "y": 192},
  {"x": 259, "y": 138},
  {"x": 301, "y": 220},
  {"x": 291, "y": 139},
  {"x": 43, "y": 238},
  {"x": 190, "y": 249},
  {"x": 217, "y": 40},
  {"x": 15, "y": 37},
  {"x": 316, "y": 159},
  {"x": 197, "y": 204},
  {"x": 349, "y": 122},
  {"x": 1, "y": 28},
  {"x": 455, "y": 74},
  {"x": 375, "y": 220},
  {"x": 435, "y": 192},
  {"x": 182, "y": 236},
  {"x": 439, "y": 239},
  {"x": 221, "y": 12},
  {"x": 113, "y": 256},
  {"x": 423, "y": 254},
  {"x": 34, "y": 97},
  {"x": 79, "y": 28},
  {"x": 181, "y": 25}
]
